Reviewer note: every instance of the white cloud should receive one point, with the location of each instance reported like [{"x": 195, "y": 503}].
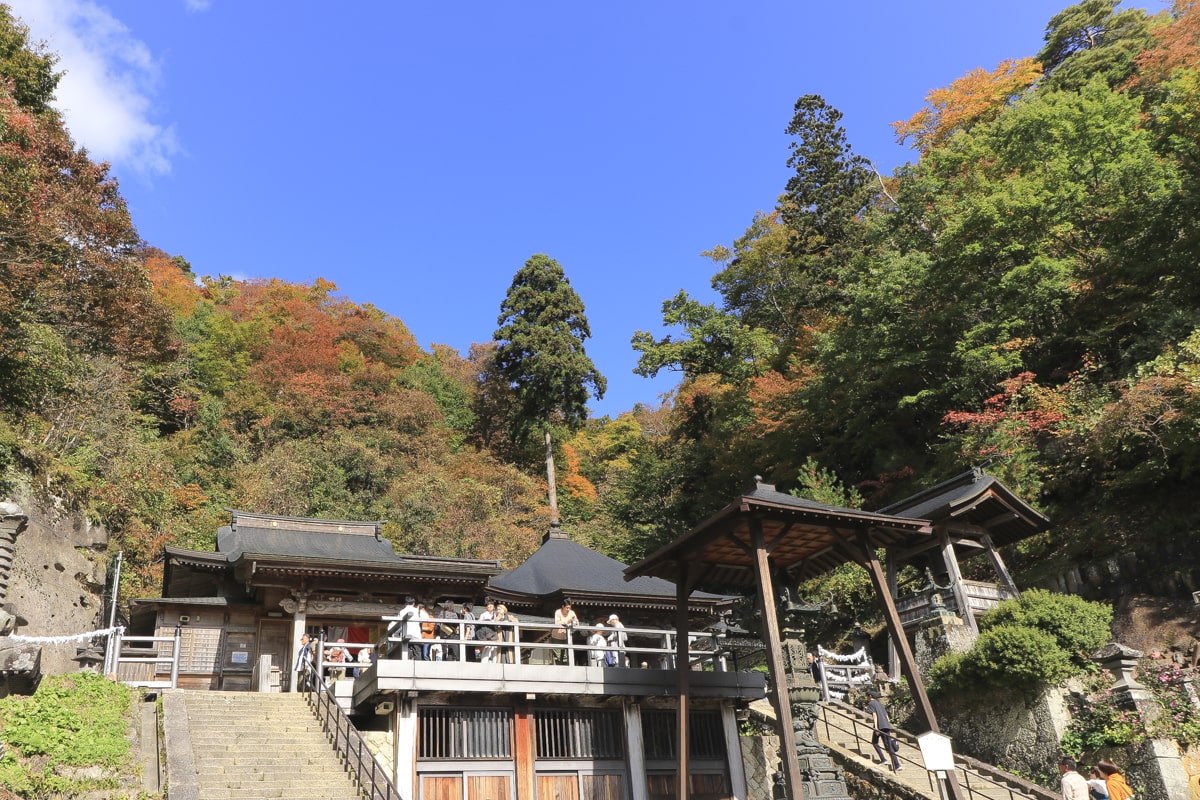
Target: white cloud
[
  {"x": 197, "y": 5},
  {"x": 106, "y": 95}
]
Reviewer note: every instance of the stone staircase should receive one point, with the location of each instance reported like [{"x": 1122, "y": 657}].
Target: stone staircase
[
  {"x": 846, "y": 731},
  {"x": 250, "y": 745}
]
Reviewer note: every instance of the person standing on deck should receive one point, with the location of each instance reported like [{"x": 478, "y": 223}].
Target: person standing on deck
[
  {"x": 566, "y": 620},
  {"x": 617, "y": 640}
]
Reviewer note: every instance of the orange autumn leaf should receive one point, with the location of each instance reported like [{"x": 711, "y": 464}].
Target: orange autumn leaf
[{"x": 975, "y": 97}]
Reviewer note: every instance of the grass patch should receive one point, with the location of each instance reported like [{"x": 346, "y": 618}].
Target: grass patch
[{"x": 67, "y": 739}]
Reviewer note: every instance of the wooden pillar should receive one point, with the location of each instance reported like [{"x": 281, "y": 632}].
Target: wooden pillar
[
  {"x": 907, "y": 662},
  {"x": 298, "y": 624},
  {"x": 779, "y": 688},
  {"x": 893, "y": 587},
  {"x": 682, "y": 670},
  {"x": 998, "y": 565},
  {"x": 523, "y": 751},
  {"x": 733, "y": 753},
  {"x": 956, "y": 581},
  {"x": 638, "y": 787},
  {"x": 404, "y": 755}
]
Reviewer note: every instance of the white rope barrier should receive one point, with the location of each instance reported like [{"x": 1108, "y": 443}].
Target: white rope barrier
[
  {"x": 78, "y": 637},
  {"x": 857, "y": 657}
]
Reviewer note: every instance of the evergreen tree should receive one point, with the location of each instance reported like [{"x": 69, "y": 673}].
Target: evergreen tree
[{"x": 540, "y": 354}]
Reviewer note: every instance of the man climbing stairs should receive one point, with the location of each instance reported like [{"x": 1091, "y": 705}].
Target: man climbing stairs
[
  {"x": 234, "y": 745},
  {"x": 846, "y": 731}
]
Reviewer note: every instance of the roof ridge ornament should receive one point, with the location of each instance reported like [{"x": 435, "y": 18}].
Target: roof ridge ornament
[
  {"x": 758, "y": 484},
  {"x": 555, "y": 532}
]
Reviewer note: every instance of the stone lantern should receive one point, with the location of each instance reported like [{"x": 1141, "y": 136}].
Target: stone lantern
[
  {"x": 822, "y": 778},
  {"x": 89, "y": 659}
]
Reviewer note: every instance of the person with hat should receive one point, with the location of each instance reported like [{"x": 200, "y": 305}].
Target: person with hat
[
  {"x": 882, "y": 729},
  {"x": 616, "y": 642}
]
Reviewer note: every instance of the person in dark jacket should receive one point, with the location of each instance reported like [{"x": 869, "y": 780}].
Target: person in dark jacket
[{"x": 882, "y": 729}]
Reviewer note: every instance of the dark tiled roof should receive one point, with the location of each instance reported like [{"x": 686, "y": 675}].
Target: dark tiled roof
[
  {"x": 233, "y": 542},
  {"x": 561, "y": 564},
  {"x": 976, "y": 498}
]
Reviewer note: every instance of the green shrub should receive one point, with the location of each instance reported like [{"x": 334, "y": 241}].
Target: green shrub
[
  {"x": 1178, "y": 719},
  {"x": 1079, "y": 626},
  {"x": 1098, "y": 720},
  {"x": 1005, "y": 656},
  {"x": 947, "y": 673}
]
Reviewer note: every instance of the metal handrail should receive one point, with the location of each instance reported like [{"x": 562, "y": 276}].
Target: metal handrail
[
  {"x": 373, "y": 780},
  {"x": 979, "y": 779}
]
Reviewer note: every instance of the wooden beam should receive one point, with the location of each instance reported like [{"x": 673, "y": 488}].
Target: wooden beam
[
  {"x": 956, "y": 582},
  {"x": 911, "y": 552},
  {"x": 998, "y": 565},
  {"x": 682, "y": 674},
  {"x": 780, "y": 537},
  {"x": 733, "y": 538},
  {"x": 523, "y": 751},
  {"x": 908, "y": 664},
  {"x": 966, "y": 541},
  {"x": 894, "y": 591},
  {"x": 779, "y": 688}
]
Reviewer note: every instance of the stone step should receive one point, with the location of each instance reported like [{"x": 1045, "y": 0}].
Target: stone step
[
  {"x": 249, "y": 745},
  {"x": 264, "y": 764},
  {"x": 292, "y": 794}
]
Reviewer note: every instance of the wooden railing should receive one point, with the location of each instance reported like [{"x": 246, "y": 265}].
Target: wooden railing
[
  {"x": 981, "y": 597},
  {"x": 373, "y": 780},
  {"x": 979, "y": 781}
]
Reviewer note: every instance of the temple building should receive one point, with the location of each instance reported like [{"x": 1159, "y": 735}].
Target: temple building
[{"x": 511, "y": 724}]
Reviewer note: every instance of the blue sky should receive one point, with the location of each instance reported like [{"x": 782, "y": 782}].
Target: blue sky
[{"x": 416, "y": 154}]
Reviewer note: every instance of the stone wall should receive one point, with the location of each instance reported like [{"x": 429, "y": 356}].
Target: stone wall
[
  {"x": 1013, "y": 730},
  {"x": 760, "y": 757}
]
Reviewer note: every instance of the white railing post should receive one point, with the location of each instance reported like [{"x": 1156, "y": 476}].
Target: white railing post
[{"x": 175, "y": 657}]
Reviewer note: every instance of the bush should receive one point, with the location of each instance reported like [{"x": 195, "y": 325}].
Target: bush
[
  {"x": 1079, "y": 627},
  {"x": 1098, "y": 720},
  {"x": 1178, "y": 720},
  {"x": 1005, "y": 656}
]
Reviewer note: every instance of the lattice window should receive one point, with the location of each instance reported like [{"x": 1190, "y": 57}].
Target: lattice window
[
  {"x": 706, "y": 738},
  {"x": 465, "y": 733},
  {"x": 579, "y": 733}
]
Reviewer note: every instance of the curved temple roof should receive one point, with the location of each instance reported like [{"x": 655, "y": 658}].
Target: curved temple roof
[
  {"x": 562, "y": 567},
  {"x": 804, "y": 538}
]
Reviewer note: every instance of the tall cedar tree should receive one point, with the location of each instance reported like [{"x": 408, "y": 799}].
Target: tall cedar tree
[{"x": 540, "y": 354}]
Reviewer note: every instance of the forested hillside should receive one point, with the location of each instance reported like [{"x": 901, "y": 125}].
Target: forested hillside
[{"x": 1025, "y": 294}]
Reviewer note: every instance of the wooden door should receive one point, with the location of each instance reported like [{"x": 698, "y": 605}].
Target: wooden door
[
  {"x": 602, "y": 787},
  {"x": 275, "y": 640}
]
